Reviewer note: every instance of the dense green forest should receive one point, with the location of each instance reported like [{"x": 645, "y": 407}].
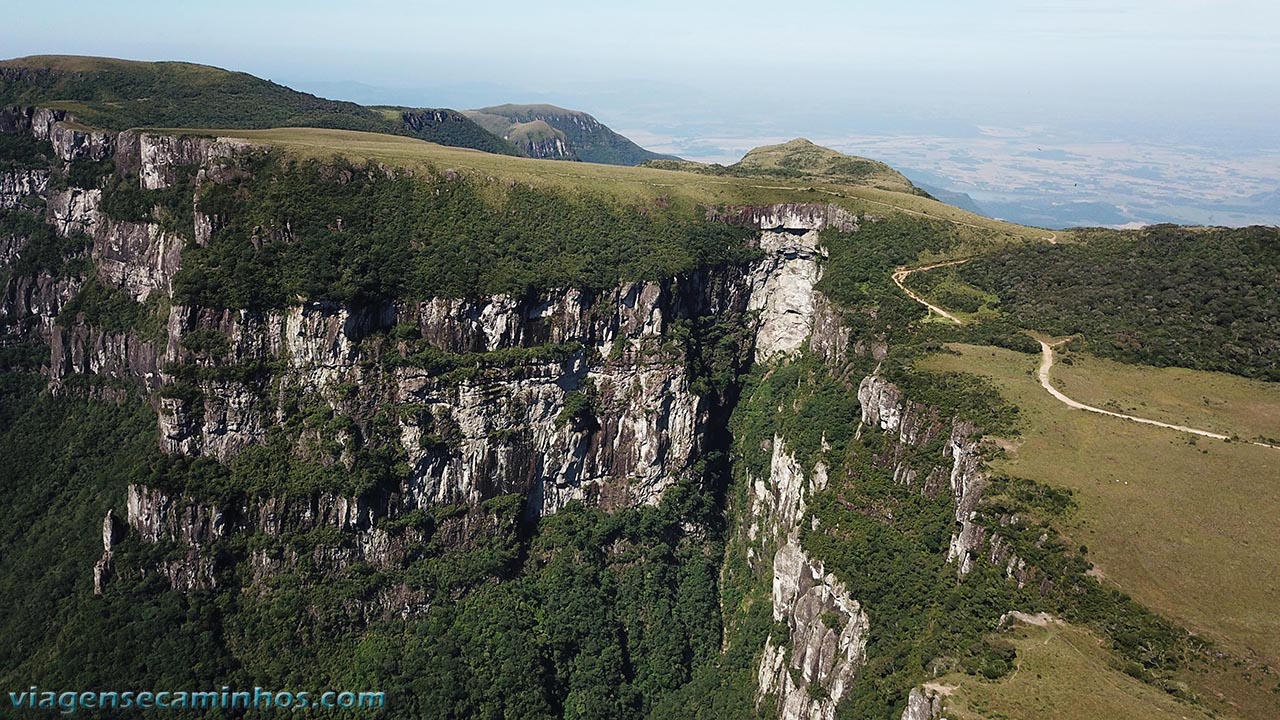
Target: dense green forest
[
  {"x": 121, "y": 94},
  {"x": 346, "y": 232},
  {"x": 1204, "y": 299}
]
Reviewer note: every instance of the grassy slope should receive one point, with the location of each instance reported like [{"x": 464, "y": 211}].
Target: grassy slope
[
  {"x": 534, "y": 131},
  {"x": 1186, "y": 527},
  {"x": 1063, "y": 674},
  {"x": 119, "y": 94},
  {"x": 801, "y": 159},
  {"x": 805, "y": 157},
  {"x": 628, "y": 184},
  {"x": 1228, "y": 404}
]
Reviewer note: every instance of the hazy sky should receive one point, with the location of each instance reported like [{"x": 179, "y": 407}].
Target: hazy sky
[
  {"x": 708, "y": 79},
  {"x": 1023, "y": 57}
]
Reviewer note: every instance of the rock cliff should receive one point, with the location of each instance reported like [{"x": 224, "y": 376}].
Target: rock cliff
[
  {"x": 551, "y": 398},
  {"x": 594, "y": 402},
  {"x": 913, "y": 426},
  {"x": 807, "y": 671}
]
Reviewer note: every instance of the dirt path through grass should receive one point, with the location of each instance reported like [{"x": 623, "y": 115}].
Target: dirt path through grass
[
  {"x": 900, "y": 276},
  {"x": 1046, "y": 364}
]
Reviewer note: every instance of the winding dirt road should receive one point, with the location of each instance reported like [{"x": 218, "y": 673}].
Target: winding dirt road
[
  {"x": 1046, "y": 363},
  {"x": 900, "y": 275}
]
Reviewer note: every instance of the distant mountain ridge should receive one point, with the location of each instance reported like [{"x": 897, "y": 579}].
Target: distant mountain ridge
[
  {"x": 118, "y": 94},
  {"x": 964, "y": 201},
  {"x": 547, "y": 131}
]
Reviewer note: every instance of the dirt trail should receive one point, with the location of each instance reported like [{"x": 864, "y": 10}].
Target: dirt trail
[
  {"x": 900, "y": 276},
  {"x": 1046, "y": 364}
]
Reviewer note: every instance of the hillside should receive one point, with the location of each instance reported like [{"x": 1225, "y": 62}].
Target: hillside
[
  {"x": 573, "y": 135},
  {"x": 801, "y": 159},
  {"x": 119, "y": 94},
  {"x": 506, "y": 437}
]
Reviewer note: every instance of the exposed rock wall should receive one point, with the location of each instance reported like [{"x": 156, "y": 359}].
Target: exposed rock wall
[
  {"x": 913, "y": 426},
  {"x": 807, "y": 672},
  {"x": 923, "y": 704}
]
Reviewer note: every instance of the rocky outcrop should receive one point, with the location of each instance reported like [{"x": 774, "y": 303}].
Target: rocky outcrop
[
  {"x": 959, "y": 471},
  {"x": 139, "y": 258},
  {"x": 105, "y": 567},
  {"x": 83, "y": 351},
  {"x": 74, "y": 211},
  {"x": 783, "y": 295},
  {"x": 786, "y": 216},
  {"x": 17, "y": 187},
  {"x": 923, "y": 704},
  {"x": 810, "y": 671},
  {"x": 807, "y": 672},
  {"x": 30, "y": 304},
  {"x": 161, "y": 159},
  {"x": 70, "y": 140}
]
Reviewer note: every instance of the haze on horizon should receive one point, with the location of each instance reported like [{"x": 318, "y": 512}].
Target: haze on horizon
[{"x": 1131, "y": 110}]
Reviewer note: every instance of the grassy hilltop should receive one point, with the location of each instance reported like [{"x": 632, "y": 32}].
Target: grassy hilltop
[{"x": 119, "y": 94}]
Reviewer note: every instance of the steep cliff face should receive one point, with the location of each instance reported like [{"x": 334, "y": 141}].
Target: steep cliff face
[
  {"x": 508, "y": 433},
  {"x": 914, "y": 426},
  {"x": 508, "y": 428},
  {"x": 549, "y": 398},
  {"x": 70, "y": 140},
  {"x": 807, "y": 671},
  {"x": 591, "y": 399}
]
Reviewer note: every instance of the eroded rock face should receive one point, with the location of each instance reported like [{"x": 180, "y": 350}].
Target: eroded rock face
[
  {"x": 82, "y": 350},
  {"x": 787, "y": 216},
  {"x": 923, "y": 704},
  {"x": 809, "y": 671},
  {"x": 783, "y": 294},
  {"x": 70, "y": 141},
  {"x": 30, "y": 304},
  {"x": 783, "y": 283},
  {"x": 17, "y": 186},
  {"x": 509, "y": 432},
  {"x": 75, "y": 211},
  {"x": 162, "y": 157},
  {"x": 913, "y": 426}
]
